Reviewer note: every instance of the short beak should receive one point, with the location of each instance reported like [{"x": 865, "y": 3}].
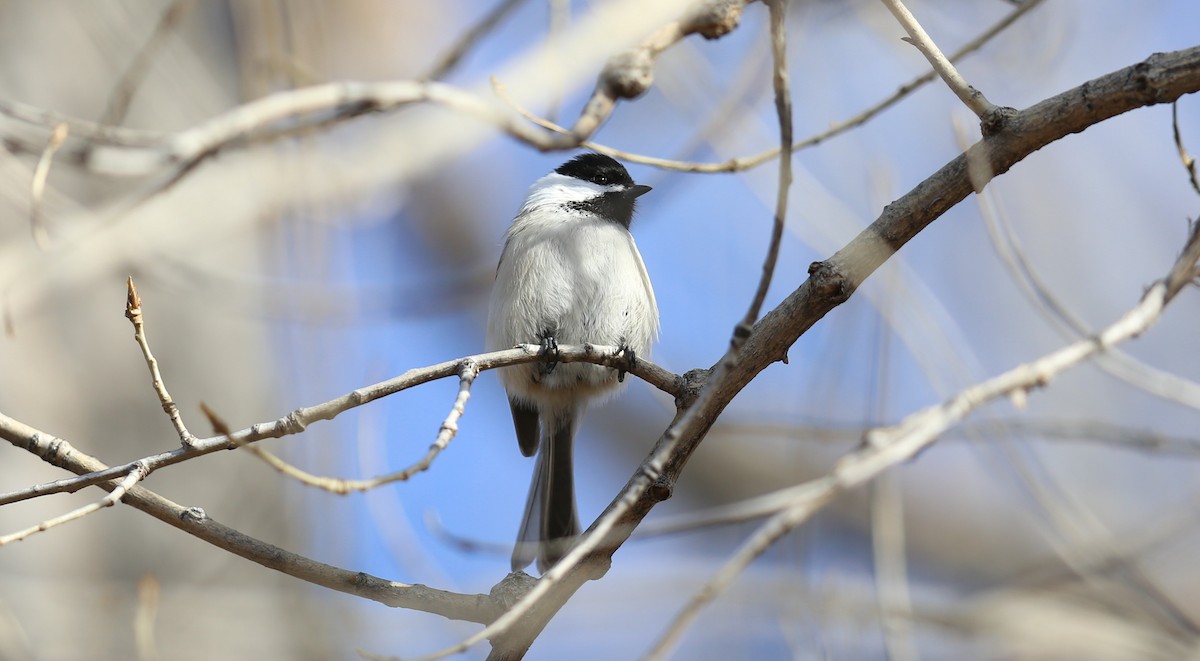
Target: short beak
[{"x": 637, "y": 190}]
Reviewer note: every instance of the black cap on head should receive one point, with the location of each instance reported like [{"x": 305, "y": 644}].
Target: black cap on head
[
  {"x": 614, "y": 205},
  {"x": 596, "y": 168}
]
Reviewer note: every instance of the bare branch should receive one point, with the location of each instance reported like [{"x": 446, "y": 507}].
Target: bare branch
[
  {"x": 629, "y": 74},
  {"x": 194, "y": 521},
  {"x": 298, "y": 420},
  {"x": 342, "y": 486},
  {"x": 973, "y": 98},
  {"x": 118, "y": 492},
  {"x": 890, "y": 559},
  {"x": 626, "y": 76},
  {"x": 144, "y": 617},
  {"x": 783, "y": 109}
]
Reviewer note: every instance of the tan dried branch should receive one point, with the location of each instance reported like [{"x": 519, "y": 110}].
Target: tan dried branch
[
  {"x": 626, "y": 75},
  {"x": 133, "y": 312}
]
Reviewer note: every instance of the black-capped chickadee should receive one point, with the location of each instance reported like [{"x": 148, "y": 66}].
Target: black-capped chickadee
[{"x": 570, "y": 273}]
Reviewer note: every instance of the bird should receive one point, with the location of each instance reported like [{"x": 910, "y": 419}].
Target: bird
[{"x": 569, "y": 273}]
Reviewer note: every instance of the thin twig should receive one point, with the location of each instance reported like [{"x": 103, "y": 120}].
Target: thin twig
[
  {"x": 470, "y": 39},
  {"x": 37, "y": 192},
  {"x": 342, "y": 486},
  {"x": 560, "y": 18},
  {"x": 133, "y": 311},
  {"x": 1189, "y": 163},
  {"x": 783, "y": 110},
  {"x": 299, "y": 419},
  {"x": 133, "y": 477},
  {"x": 122, "y": 94},
  {"x": 973, "y": 98}
]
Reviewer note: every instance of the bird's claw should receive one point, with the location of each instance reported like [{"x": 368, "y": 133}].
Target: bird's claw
[
  {"x": 630, "y": 357},
  {"x": 549, "y": 353}
]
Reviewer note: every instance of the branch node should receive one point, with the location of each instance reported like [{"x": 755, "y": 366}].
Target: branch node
[
  {"x": 717, "y": 19},
  {"x": 194, "y": 514},
  {"x": 512, "y": 588},
  {"x": 661, "y": 489},
  {"x": 995, "y": 120},
  {"x": 629, "y": 74}
]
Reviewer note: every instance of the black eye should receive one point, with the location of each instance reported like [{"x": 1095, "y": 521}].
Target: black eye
[{"x": 602, "y": 179}]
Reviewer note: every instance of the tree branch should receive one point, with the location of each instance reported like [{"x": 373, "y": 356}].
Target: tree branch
[
  {"x": 194, "y": 521},
  {"x": 299, "y": 419}
]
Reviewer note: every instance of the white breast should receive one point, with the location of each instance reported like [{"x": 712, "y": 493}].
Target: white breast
[{"x": 579, "y": 277}]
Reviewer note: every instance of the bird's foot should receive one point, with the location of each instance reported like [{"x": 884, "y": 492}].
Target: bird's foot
[
  {"x": 549, "y": 353},
  {"x": 630, "y": 357}
]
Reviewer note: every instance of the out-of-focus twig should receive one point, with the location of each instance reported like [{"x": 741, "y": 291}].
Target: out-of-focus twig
[
  {"x": 122, "y": 94},
  {"x": 741, "y": 163},
  {"x": 144, "y": 618},
  {"x": 470, "y": 39},
  {"x": 41, "y": 174}
]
